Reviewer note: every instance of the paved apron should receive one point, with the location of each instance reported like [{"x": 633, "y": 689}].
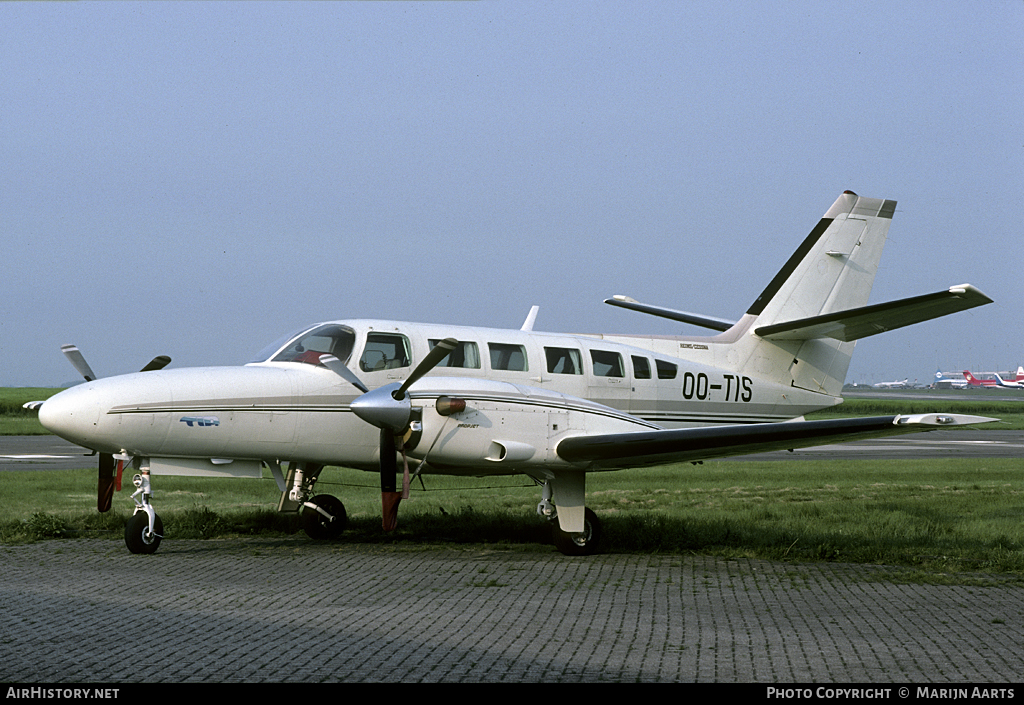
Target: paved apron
[{"x": 292, "y": 610}]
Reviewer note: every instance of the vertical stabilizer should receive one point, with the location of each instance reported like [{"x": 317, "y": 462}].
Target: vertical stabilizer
[
  {"x": 832, "y": 270},
  {"x": 834, "y": 267}
]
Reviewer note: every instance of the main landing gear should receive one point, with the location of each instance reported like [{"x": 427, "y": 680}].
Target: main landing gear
[
  {"x": 585, "y": 543},
  {"x": 323, "y": 516},
  {"x": 570, "y": 543}
]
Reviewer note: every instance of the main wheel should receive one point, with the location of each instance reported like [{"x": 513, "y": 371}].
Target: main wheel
[
  {"x": 584, "y": 544},
  {"x": 136, "y": 533},
  {"x": 316, "y": 525}
]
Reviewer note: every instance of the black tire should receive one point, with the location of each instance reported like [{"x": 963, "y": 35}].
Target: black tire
[
  {"x": 586, "y": 544},
  {"x": 317, "y": 526},
  {"x": 136, "y": 533}
]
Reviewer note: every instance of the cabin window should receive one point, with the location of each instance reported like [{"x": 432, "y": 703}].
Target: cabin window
[
  {"x": 641, "y": 367},
  {"x": 505, "y": 356},
  {"x": 666, "y": 370},
  {"x": 607, "y": 364},
  {"x": 564, "y": 361},
  {"x": 466, "y": 355},
  {"x": 308, "y": 347},
  {"x": 385, "y": 351}
]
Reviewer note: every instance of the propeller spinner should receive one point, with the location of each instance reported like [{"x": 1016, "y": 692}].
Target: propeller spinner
[{"x": 390, "y": 409}]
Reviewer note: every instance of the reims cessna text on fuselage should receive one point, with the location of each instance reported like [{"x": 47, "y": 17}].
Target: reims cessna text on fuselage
[{"x": 436, "y": 398}]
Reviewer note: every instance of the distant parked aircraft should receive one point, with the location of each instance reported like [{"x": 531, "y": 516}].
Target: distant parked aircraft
[
  {"x": 944, "y": 382},
  {"x": 893, "y": 385},
  {"x": 975, "y": 382},
  {"x": 1016, "y": 383}
]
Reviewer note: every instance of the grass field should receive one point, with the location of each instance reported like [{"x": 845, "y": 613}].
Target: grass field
[
  {"x": 17, "y": 421},
  {"x": 943, "y": 516},
  {"x": 934, "y": 517}
]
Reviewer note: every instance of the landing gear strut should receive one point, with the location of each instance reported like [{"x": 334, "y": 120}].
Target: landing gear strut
[{"x": 144, "y": 530}]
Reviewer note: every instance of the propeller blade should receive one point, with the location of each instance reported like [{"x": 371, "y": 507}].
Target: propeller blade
[
  {"x": 105, "y": 486},
  {"x": 437, "y": 353},
  {"x": 157, "y": 363},
  {"x": 338, "y": 367},
  {"x": 389, "y": 496},
  {"x": 389, "y": 408},
  {"x": 75, "y": 357}
]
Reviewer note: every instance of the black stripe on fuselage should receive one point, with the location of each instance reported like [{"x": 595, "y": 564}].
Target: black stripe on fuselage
[{"x": 305, "y": 408}]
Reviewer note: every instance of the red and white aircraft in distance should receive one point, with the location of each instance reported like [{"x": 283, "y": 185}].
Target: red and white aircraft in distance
[
  {"x": 445, "y": 399},
  {"x": 998, "y": 382}
]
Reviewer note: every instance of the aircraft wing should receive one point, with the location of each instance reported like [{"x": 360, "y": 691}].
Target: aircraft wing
[
  {"x": 858, "y": 323},
  {"x": 622, "y": 450}
]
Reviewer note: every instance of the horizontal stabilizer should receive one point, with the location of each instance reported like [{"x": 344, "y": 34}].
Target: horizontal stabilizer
[
  {"x": 623, "y": 450},
  {"x": 857, "y": 323},
  {"x": 719, "y": 324}
]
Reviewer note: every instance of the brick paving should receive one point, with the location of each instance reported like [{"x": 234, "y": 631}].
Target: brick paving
[{"x": 291, "y": 610}]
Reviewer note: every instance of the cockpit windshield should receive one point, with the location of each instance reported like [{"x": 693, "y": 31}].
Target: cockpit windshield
[{"x": 308, "y": 345}]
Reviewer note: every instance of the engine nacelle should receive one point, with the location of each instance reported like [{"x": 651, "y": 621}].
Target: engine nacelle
[{"x": 503, "y": 424}]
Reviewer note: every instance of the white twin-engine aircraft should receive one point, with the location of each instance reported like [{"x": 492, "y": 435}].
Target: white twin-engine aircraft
[{"x": 482, "y": 401}]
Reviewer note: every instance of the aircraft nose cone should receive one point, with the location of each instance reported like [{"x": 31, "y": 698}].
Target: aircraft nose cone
[{"x": 72, "y": 414}]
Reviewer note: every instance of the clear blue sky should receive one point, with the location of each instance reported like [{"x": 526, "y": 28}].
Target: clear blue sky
[{"x": 196, "y": 179}]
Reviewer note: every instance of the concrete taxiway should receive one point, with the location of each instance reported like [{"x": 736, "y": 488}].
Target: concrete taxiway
[{"x": 296, "y": 611}]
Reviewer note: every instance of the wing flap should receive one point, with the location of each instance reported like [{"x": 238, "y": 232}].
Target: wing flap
[
  {"x": 691, "y": 444},
  {"x": 857, "y": 323}
]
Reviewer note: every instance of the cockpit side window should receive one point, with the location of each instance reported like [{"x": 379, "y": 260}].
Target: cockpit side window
[
  {"x": 385, "y": 351},
  {"x": 308, "y": 347}
]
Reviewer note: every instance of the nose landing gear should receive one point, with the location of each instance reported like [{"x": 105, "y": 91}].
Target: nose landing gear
[{"x": 144, "y": 530}]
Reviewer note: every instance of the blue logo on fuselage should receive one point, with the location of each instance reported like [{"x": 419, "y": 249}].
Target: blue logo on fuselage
[{"x": 200, "y": 420}]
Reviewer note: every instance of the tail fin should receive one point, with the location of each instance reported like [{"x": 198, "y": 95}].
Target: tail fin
[
  {"x": 834, "y": 267},
  {"x": 815, "y": 308},
  {"x": 832, "y": 271},
  {"x": 801, "y": 330}
]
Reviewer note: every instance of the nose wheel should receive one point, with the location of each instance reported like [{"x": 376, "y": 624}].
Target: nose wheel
[
  {"x": 144, "y": 530},
  {"x": 138, "y": 537}
]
